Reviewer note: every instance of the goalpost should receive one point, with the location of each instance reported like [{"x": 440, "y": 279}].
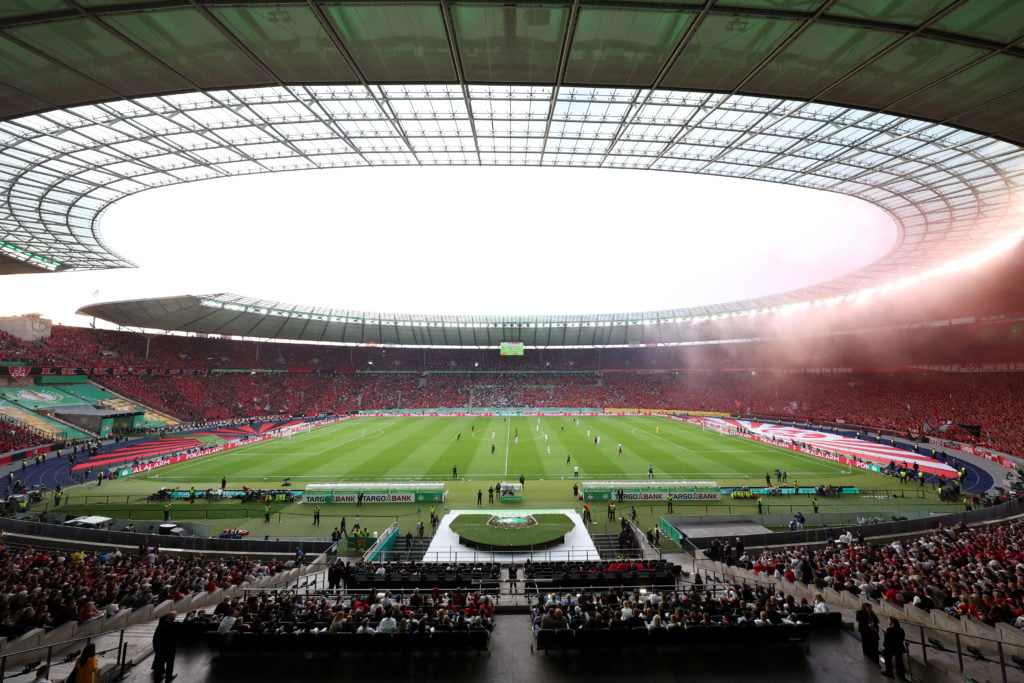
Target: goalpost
[{"x": 303, "y": 428}]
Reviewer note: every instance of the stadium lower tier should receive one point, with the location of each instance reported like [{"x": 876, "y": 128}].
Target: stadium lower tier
[{"x": 561, "y": 575}]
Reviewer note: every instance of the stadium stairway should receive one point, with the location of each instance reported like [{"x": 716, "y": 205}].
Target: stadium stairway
[
  {"x": 608, "y": 547},
  {"x": 414, "y": 554}
]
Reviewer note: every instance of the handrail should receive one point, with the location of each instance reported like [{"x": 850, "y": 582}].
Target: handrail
[{"x": 55, "y": 648}]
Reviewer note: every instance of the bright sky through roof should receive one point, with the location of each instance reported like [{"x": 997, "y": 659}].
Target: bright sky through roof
[{"x": 471, "y": 240}]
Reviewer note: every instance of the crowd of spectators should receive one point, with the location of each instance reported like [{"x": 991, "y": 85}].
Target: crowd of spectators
[
  {"x": 14, "y": 436},
  {"x": 977, "y": 408},
  {"x": 700, "y": 605},
  {"x": 229, "y": 396},
  {"x": 13, "y": 349},
  {"x": 411, "y": 574},
  {"x": 44, "y": 588},
  {"x": 969, "y": 343},
  {"x": 601, "y": 572},
  {"x": 288, "y": 612},
  {"x": 975, "y": 573}
]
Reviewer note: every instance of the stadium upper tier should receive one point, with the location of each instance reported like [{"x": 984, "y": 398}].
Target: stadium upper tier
[{"x": 913, "y": 107}]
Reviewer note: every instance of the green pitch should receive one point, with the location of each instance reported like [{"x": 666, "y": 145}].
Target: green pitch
[{"x": 472, "y": 454}]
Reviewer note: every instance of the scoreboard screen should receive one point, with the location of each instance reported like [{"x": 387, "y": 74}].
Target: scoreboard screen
[{"x": 512, "y": 348}]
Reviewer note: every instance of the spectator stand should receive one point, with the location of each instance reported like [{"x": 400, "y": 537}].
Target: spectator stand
[
  {"x": 405, "y": 576},
  {"x": 129, "y": 626},
  {"x": 607, "y": 575},
  {"x": 960, "y": 643},
  {"x": 705, "y": 616},
  {"x": 333, "y": 625}
]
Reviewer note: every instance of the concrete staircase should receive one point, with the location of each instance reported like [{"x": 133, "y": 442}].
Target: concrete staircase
[{"x": 608, "y": 547}]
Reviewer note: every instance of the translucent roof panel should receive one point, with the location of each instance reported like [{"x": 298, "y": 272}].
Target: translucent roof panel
[
  {"x": 625, "y": 47},
  {"x": 184, "y": 40},
  {"x": 100, "y": 55},
  {"x": 918, "y": 60},
  {"x": 971, "y": 85},
  {"x": 70, "y": 53},
  {"x": 998, "y": 20},
  {"x": 15, "y": 8},
  {"x": 31, "y": 72},
  {"x": 291, "y": 41},
  {"x": 897, "y": 11},
  {"x": 724, "y": 50},
  {"x": 396, "y": 42},
  {"x": 508, "y": 44},
  {"x": 817, "y": 57}
]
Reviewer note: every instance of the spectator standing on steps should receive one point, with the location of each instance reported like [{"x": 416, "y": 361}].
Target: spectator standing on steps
[
  {"x": 86, "y": 665},
  {"x": 893, "y": 647},
  {"x": 165, "y": 646}
]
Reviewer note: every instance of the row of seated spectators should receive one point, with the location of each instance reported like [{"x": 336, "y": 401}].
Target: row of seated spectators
[
  {"x": 387, "y": 612},
  {"x": 975, "y": 573},
  {"x": 363, "y": 575},
  {"x": 603, "y": 573},
  {"x": 44, "y": 588},
  {"x": 700, "y": 605}
]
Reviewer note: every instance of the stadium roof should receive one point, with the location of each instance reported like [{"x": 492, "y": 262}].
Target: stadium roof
[{"x": 915, "y": 107}]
